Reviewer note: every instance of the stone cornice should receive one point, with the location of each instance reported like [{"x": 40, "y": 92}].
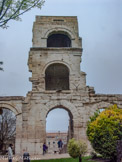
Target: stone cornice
[
  {"x": 9, "y": 98},
  {"x": 55, "y": 49}
]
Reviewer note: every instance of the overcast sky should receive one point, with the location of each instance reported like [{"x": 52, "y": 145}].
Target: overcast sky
[{"x": 100, "y": 26}]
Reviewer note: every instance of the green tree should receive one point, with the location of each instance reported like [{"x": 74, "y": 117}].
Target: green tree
[
  {"x": 77, "y": 148},
  {"x": 104, "y": 130},
  {"x": 13, "y": 9}
]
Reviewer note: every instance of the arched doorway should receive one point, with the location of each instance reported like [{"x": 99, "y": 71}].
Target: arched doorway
[
  {"x": 58, "y": 40},
  {"x": 59, "y": 126},
  {"x": 7, "y": 129},
  {"x": 57, "y": 77}
]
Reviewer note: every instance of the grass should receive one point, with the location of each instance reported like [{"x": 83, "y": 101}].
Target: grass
[{"x": 85, "y": 159}]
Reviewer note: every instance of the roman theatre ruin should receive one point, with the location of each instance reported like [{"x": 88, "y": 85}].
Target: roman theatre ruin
[{"x": 57, "y": 81}]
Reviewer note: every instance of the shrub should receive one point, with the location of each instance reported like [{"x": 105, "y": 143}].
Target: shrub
[
  {"x": 104, "y": 130},
  {"x": 77, "y": 148}
]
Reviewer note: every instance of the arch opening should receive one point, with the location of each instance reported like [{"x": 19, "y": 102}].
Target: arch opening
[
  {"x": 58, "y": 40},
  {"x": 7, "y": 129},
  {"x": 59, "y": 126},
  {"x": 57, "y": 77}
]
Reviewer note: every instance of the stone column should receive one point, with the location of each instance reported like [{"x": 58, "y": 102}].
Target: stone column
[
  {"x": 79, "y": 130},
  {"x": 18, "y": 139},
  {"x": 40, "y": 137},
  {"x": 24, "y": 144}
]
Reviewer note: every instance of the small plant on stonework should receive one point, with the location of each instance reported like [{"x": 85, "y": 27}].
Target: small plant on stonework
[{"x": 77, "y": 148}]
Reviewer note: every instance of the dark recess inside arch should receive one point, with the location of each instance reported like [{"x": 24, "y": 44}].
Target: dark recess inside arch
[
  {"x": 58, "y": 40},
  {"x": 57, "y": 77}
]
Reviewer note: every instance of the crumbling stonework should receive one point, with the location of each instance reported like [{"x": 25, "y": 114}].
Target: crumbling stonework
[{"x": 79, "y": 100}]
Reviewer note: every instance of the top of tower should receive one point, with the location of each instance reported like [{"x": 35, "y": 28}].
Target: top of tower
[
  {"x": 49, "y": 19},
  {"x": 63, "y": 28}
]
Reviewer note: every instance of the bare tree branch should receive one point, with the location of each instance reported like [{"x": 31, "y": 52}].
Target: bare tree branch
[{"x": 7, "y": 127}]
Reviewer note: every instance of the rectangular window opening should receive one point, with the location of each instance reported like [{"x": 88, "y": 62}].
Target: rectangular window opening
[{"x": 58, "y": 20}]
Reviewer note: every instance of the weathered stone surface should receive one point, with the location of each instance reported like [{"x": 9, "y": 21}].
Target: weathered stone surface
[{"x": 79, "y": 100}]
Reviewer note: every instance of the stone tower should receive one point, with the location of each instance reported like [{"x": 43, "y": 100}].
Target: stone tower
[{"x": 57, "y": 82}]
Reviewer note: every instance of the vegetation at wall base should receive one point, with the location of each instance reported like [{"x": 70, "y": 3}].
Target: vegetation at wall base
[
  {"x": 77, "y": 148},
  {"x": 104, "y": 130}
]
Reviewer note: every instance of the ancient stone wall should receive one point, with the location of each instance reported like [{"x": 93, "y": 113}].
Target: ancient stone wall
[{"x": 80, "y": 101}]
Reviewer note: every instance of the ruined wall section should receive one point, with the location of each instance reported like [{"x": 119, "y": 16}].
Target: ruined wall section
[
  {"x": 81, "y": 105},
  {"x": 80, "y": 100},
  {"x": 41, "y": 56},
  {"x": 36, "y": 108},
  {"x": 40, "y": 59},
  {"x": 101, "y": 101}
]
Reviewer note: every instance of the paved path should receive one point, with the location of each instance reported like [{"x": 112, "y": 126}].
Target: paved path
[
  {"x": 36, "y": 157},
  {"x": 50, "y": 156},
  {"x": 40, "y": 157}
]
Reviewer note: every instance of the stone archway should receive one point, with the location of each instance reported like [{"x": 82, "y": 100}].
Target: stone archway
[
  {"x": 18, "y": 113},
  {"x": 57, "y": 77},
  {"x": 57, "y": 30},
  {"x": 101, "y": 105},
  {"x": 61, "y": 129},
  {"x": 7, "y": 126},
  {"x": 10, "y": 107},
  {"x": 7, "y": 129},
  {"x": 73, "y": 113},
  {"x": 58, "y": 40},
  {"x": 70, "y": 128},
  {"x": 61, "y": 103},
  {"x": 56, "y": 62}
]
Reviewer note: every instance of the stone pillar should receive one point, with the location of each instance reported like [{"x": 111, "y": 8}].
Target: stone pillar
[
  {"x": 80, "y": 133},
  {"x": 79, "y": 130},
  {"x": 24, "y": 143},
  {"x": 40, "y": 136},
  {"x": 18, "y": 139}
]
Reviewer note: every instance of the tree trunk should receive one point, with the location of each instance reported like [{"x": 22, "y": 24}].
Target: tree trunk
[{"x": 80, "y": 158}]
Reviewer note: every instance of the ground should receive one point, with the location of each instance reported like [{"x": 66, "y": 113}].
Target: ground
[{"x": 54, "y": 157}]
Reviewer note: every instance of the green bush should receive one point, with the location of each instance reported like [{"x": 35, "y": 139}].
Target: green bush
[
  {"x": 104, "y": 130},
  {"x": 77, "y": 148}
]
